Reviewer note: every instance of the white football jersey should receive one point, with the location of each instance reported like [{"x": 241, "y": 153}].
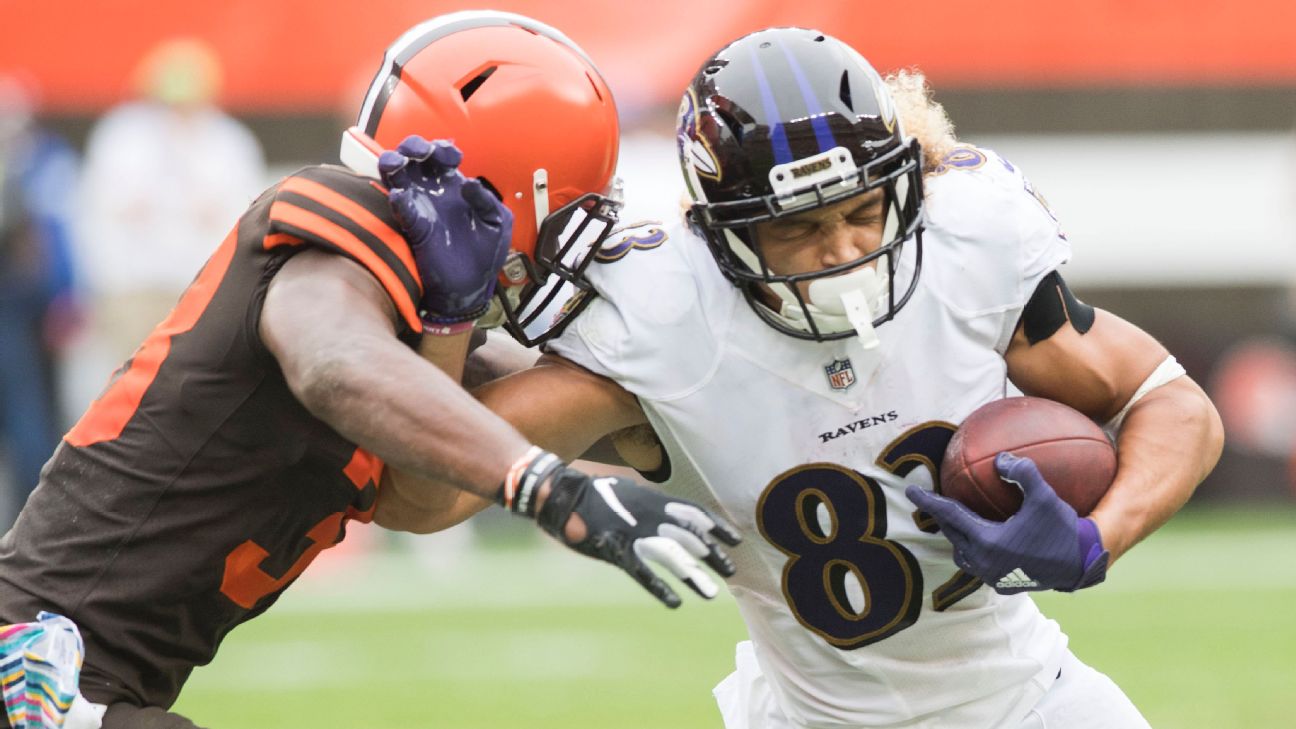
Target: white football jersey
[{"x": 856, "y": 610}]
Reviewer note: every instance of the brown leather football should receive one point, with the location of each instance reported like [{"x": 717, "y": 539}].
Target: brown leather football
[{"x": 1072, "y": 452}]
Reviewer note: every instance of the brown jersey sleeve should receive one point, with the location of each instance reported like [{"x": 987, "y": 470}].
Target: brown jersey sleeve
[{"x": 338, "y": 210}]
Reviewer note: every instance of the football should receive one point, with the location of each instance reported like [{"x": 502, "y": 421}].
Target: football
[{"x": 1072, "y": 453}]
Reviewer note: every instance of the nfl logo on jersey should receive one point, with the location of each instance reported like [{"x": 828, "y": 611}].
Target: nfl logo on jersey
[{"x": 840, "y": 374}]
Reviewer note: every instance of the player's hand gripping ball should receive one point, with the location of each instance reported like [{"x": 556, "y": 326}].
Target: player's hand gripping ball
[
  {"x": 1017, "y": 479},
  {"x": 1070, "y": 450}
]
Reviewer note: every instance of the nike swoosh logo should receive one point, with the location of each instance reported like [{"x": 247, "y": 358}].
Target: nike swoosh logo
[{"x": 604, "y": 487}]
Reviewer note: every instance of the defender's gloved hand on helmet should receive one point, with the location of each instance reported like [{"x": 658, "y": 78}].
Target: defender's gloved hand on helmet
[
  {"x": 625, "y": 524},
  {"x": 457, "y": 229},
  {"x": 1044, "y": 546}
]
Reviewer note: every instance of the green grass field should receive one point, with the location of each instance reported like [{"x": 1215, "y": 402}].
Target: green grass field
[{"x": 1197, "y": 625}]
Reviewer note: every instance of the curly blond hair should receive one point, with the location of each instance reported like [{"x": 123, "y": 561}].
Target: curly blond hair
[{"x": 922, "y": 116}]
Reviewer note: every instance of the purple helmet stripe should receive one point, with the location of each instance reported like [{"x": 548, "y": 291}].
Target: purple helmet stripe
[
  {"x": 823, "y": 134},
  {"x": 778, "y": 136}
]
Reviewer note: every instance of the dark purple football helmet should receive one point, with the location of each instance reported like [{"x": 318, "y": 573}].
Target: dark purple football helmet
[{"x": 787, "y": 120}]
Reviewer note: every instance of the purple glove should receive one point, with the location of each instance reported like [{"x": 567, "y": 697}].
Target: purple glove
[
  {"x": 1044, "y": 546},
  {"x": 458, "y": 230}
]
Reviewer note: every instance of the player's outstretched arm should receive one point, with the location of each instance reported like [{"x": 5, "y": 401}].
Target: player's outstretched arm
[
  {"x": 556, "y": 405},
  {"x": 331, "y": 327},
  {"x": 332, "y": 330},
  {"x": 1170, "y": 436},
  {"x": 564, "y": 408},
  {"x": 410, "y": 503}
]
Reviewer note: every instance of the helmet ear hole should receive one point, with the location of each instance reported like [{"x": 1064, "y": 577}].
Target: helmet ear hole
[
  {"x": 475, "y": 83},
  {"x": 735, "y": 126},
  {"x": 845, "y": 92}
]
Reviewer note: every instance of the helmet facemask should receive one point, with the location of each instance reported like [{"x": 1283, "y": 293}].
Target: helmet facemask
[
  {"x": 788, "y": 120},
  {"x": 540, "y": 294},
  {"x": 849, "y": 299}
]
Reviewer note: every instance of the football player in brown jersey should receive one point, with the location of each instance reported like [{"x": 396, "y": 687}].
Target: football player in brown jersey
[{"x": 295, "y": 377}]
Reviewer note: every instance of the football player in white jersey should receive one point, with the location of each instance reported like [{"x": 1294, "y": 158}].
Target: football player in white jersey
[{"x": 849, "y": 284}]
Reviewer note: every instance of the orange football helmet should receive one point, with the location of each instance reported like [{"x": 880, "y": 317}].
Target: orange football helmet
[{"x": 536, "y": 124}]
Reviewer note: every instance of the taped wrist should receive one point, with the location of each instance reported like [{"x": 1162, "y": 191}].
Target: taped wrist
[
  {"x": 517, "y": 493},
  {"x": 433, "y": 319},
  {"x": 447, "y": 330},
  {"x": 565, "y": 494}
]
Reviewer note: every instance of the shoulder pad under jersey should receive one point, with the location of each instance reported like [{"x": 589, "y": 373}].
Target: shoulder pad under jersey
[
  {"x": 334, "y": 209},
  {"x": 659, "y": 314},
  {"x": 989, "y": 236}
]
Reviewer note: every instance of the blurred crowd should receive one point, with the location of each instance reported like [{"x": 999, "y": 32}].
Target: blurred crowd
[
  {"x": 38, "y": 291},
  {"x": 95, "y": 251}
]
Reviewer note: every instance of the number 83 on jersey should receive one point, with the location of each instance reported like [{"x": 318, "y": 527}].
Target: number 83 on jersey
[{"x": 844, "y": 580}]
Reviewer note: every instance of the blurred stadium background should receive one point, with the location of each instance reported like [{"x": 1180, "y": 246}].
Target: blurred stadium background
[{"x": 1163, "y": 136}]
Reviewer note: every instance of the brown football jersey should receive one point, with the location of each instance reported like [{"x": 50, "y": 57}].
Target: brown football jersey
[{"x": 197, "y": 488}]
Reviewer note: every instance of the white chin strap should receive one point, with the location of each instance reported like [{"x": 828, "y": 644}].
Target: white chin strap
[{"x": 838, "y": 304}]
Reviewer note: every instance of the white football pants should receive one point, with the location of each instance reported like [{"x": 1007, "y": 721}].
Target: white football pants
[{"x": 1081, "y": 698}]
